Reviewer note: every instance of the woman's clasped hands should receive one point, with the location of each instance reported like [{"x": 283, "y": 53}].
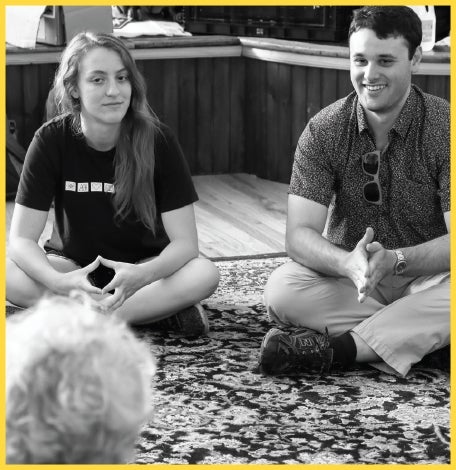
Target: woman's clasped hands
[{"x": 128, "y": 279}]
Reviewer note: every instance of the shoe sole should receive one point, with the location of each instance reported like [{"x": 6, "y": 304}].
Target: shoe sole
[
  {"x": 261, "y": 367},
  {"x": 186, "y": 327}
]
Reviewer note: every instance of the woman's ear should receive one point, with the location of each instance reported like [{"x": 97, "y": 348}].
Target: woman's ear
[{"x": 74, "y": 94}]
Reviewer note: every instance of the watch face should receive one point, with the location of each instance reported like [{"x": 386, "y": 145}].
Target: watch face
[{"x": 400, "y": 267}]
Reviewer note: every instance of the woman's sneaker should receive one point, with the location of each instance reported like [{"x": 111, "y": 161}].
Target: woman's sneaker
[
  {"x": 289, "y": 353},
  {"x": 11, "y": 308},
  {"x": 190, "y": 322}
]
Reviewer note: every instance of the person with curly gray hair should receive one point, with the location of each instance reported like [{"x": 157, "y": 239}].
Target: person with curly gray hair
[{"x": 78, "y": 385}]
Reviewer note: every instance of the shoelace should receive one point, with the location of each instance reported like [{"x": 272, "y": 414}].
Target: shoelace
[{"x": 320, "y": 349}]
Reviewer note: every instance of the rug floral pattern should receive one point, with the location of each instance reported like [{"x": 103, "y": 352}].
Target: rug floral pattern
[{"x": 211, "y": 406}]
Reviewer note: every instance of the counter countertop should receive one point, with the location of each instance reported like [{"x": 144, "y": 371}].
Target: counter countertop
[
  {"x": 145, "y": 43},
  {"x": 234, "y": 46},
  {"x": 440, "y": 54}
]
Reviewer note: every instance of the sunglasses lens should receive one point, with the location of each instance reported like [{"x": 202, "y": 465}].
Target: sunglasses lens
[
  {"x": 372, "y": 192},
  {"x": 370, "y": 163}
]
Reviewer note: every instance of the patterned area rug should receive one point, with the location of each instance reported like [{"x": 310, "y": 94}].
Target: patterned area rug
[{"x": 211, "y": 406}]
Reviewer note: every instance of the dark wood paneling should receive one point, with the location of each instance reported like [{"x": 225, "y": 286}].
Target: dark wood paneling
[
  {"x": 290, "y": 95},
  {"x": 298, "y": 112},
  {"x": 255, "y": 116},
  {"x": 230, "y": 115},
  {"x": 344, "y": 85},
  {"x": 14, "y": 100},
  {"x": 284, "y": 131},
  {"x": 221, "y": 116},
  {"x": 329, "y": 92},
  {"x": 439, "y": 86},
  {"x": 170, "y": 89},
  {"x": 31, "y": 92},
  {"x": 237, "y": 124},
  {"x": 203, "y": 116},
  {"x": 153, "y": 72},
  {"x": 269, "y": 162},
  {"x": 311, "y": 89},
  {"x": 27, "y": 88},
  {"x": 186, "y": 106},
  {"x": 314, "y": 90}
]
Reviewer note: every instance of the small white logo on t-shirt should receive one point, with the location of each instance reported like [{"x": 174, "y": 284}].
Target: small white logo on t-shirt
[
  {"x": 93, "y": 186},
  {"x": 109, "y": 188},
  {"x": 70, "y": 186}
]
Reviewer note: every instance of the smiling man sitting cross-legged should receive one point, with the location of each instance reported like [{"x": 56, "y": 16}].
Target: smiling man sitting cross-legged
[{"x": 376, "y": 288}]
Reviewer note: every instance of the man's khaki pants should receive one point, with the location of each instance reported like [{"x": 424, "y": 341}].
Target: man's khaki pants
[{"x": 404, "y": 319}]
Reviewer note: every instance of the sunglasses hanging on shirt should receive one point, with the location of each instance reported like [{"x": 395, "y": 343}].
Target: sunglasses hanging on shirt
[{"x": 372, "y": 191}]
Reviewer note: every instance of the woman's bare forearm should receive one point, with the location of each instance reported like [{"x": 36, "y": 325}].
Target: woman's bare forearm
[
  {"x": 29, "y": 256},
  {"x": 178, "y": 253}
]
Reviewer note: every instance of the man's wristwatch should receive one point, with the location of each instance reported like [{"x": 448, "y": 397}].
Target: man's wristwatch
[{"x": 401, "y": 263}]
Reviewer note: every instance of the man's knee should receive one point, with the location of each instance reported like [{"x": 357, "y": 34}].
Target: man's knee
[
  {"x": 283, "y": 294},
  {"x": 276, "y": 295}
]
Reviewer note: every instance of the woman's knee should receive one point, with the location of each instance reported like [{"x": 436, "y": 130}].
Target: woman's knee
[
  {"x": 20, "y": 288},
  {"x": 204, "y": 275}
]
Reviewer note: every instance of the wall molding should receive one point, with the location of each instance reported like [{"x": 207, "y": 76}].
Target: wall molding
[
  {"x": 269, "y": 55},
  {"x": 327, "y": 62}
]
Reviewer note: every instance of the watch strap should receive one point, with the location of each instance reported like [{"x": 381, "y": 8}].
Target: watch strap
[{"x": 401, "y": 262}]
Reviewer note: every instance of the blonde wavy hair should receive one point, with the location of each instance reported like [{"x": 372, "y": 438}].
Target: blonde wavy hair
[
  {"x": 78, "y": 385},
  {"x": 135, "y": 156}
]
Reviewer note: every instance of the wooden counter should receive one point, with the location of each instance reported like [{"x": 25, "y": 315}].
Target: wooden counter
[
  {"x": 329, "y": 56},
  {"x": 436, "y": 62},
  {"x": 236, "y": 104},
  {"x": 141, "y": 48}
]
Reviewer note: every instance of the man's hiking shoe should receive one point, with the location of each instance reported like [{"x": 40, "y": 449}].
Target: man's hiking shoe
[
  {"x": 289, "y": 353},
  {"x": 190, "y": 322}
]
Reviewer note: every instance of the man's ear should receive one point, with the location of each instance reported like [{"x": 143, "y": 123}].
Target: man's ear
[{"x": 416, "y": 59}]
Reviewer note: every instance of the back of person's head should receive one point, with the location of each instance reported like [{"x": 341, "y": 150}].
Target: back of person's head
[
  {"x": 389, "y": 21},
  {"x": 78, "y": 385}
]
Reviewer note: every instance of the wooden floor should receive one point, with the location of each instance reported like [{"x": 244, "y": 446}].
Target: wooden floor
[{"x": 237, "y": 215}]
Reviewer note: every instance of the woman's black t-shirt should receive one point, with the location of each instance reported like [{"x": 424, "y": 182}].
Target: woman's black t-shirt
[{"x": 61, "y": 167}]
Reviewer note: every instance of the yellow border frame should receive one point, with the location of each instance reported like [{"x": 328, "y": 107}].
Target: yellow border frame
[{"x": 3, "y": 3}]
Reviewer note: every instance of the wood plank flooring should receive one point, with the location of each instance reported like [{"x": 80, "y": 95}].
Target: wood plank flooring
[{"x": 237, "y": 215}]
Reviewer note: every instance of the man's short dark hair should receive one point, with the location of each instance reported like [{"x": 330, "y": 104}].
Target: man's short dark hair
[{"x": 389, "y": 21}]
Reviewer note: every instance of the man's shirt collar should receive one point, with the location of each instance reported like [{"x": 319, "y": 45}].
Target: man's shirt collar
[{"x": 402, "y": 123}]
